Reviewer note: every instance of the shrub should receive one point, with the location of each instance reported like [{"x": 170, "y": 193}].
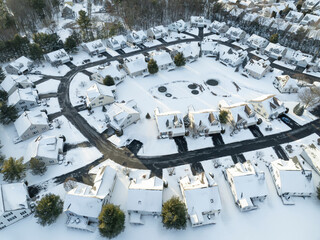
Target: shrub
[
  {"x": 174, "y": 214},
  {"x": 152, "y": 66},
  {"x": 48, "y": 209},
  {"x": 108, "y": 81},
  {"x": 274, "y": 38},
  {"x": 148, "y": 116},
  {"x": 179, "y": 60},
  {"x": 37, "y": 167},
  {"x": 13, "y": 170},
  {"x": 223, "y": 116}
]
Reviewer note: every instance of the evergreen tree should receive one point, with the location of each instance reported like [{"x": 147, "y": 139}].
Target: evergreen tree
[
  {"x": 48, "y": 209},
  {"x": 223, "y": 116},
  {"x": 3, "y": 96},
  {"x": 318, "y": 191},
  {"x": 179, "y": 60},
  {"x": 274, "y": 38},
  {"x": 84, "y": 22},
  {"x": 108, "y": 81},
  {"x": 35, "y": 51},
  {"x": 174, "y": 214},
  {"x": 70, "y": 44},
  {"x": 299, "y": 5},
  {"x": 152, "y": 66},
  {"x": 148, "y": 116},
  {"x": 111, "y": 221},
  {"x": 2, "y": 75},
  {"x": 8, "y": 114},
  {"x": 13, "y": 170},
  {"x": 37, "y": 167},
  {"x": 273, "y": 14}
]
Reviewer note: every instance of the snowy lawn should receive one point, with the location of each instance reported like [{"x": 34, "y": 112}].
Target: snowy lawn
[
  {"x": 95, "y": 120},
  {"x": 78, "y": 87},
  {"x": 152, "y": 43},
  {"x": 82, "y": 55},
  {"x": 277, "y": 126},
  {"x": 51, "y": 105},
  {"x": 49, "y": 86},
  {"x": 46, "y": 69}
]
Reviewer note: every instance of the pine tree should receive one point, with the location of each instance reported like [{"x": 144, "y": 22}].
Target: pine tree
[
  {"x": 37, "y": 167},
  {"x": 179, "y": 60},
  {"x": 274, "y": 38},
  {"x": 70, "y": 44},
  {"x": 152, "y": 66},
  {"x": 84, "y": 22},
  {"x": 148, "y": 116},
  {"x": 3, "y": 96},
  {"x": 174, "y": 214},
  {"x": 8, "y": 114},
  {"x": 111, "y": 221},
  {"x": 48, "y": 209},
  {"x": 108, "y": 81},
  {"x": 35, "y": 51},
  {"x": 223, "y": 116},
  {"x": 2, "y": 75},
  {"x": 13, "y": 170}
]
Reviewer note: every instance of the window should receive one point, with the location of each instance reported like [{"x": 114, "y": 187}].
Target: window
[
  {"x": 23, "y": 102},
  {"x": 24, "y": 212},
  {"x": 32, "y": 104},
  {"x": 12, "y": 218},
  {"x": 101, "y": 98},
  {"x": 7, "y": 215},
  {"x": 35, "y": 132}
]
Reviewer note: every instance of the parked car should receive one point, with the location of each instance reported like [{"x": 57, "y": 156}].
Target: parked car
[{"x": 86, "y": 61}]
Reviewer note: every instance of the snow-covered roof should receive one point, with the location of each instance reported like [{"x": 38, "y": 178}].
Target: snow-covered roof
[
  {"x": 286, "y": 81},
  {"x": 310, "y": 19},
  {"x": 179, "y": 25},
  {"x": 44, "y": 146},
  {"x": 280, "y": 24},
  {"x": 265, "y": 21},
  {"x": 235, "y": 32},
  {"x": 257, "y": 41},
  {"x": 187, "y": 50},
  {"x": 162, "y": 58},
  {"x": 295, "y": 27},
  {"x": 112, "y": 70},
  {"x": 13, "y": 196},
  {"x": 18, "y": 95},
  {"x": 169, "y": 121},
  {"x": 137, "y": 36},
  {"x": 103, "y": 182},
  {"x": 293, "y": 16},
  {"x": 236, "y": 12},
  {"x": 312, "y": 155},
  {"x": 293, "y": 178},
  {"x": 29, "y": 118},
  {"x": 116, "y": 41},
  {"x": 21, "y": 64},
  {"x": 232, "y": 56},
  {"x": 12, "y": 80},
  {"x": 58, "y": 55},
  {"x": 95, "y": 45},
  {"x": 209, "y": 46},
  {"x": 298, "y": 56},
  {"x": 205, "y": 118},
  {"x": 200, "y": 21},
  {"x": 240, "y": 111},
  {"x": 98, "y": 90},
  {"x": 271, "y": 103},
  {"x": 136, "y": 63},
  {"x": 314, "y": 34},
  {"x": 217, "y": 25},
  {"x": 145, "y": 196},
  {"x": 258, "y": 67},
  {"x": 158, "y": 31},
  {"x": 250, "y": 17},
  {"x": 276, "y": 49}
]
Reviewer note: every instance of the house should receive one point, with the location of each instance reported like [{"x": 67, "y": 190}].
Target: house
[
  {"x": 218, "y": 27},
  {"x": 310, "y": 20},
  {"x": 240, "y": 115},
  {"x": 209, "y": 48},
  {"x": 294, "y": 16},
  {"x": 57, "y": 57},
  {"x": 265, "y": 22},
  {"x": 190, "y": 53},
  {"x": 298, "y": 58},
  {"x": 247, "y": 185},
  {"x": 231, "y": 56},
  {"x": 201, "y": 196},
  {"x": 44, "y": 148},
  {"x": 30, "y": 124},
  {"x": 22, "y": 65},
  {"x": 250, "y": 17},
  {"x": 136, "y": 66},
  {"x": 198, "y": 21},
  {"x": 178, "y": 26},
  {"x": 95, "y": 47},
  {"x": 67, "y": 12},
  {"x": 157, "y": 32},
  {"x": 170, "y": 124},
  {"x": 275, "y": 51},
  {"x": 137, "y": 37},
  {"x": 23, "y": 99},
  {"x": 12, "y": 82},
  {"x": 204, "y": 122},
  {"x": 99, "y": 95},
  {"x": 164, "y": 60},
  {"x": 236, "y": 12},
  {"x": 291, "y": 179},
  {"x": 268, "y": 106},
  {"x": 311, "y": 5},
  {"x": 117, "y": 42},
  {"x": 83, "y": 204},
  {"x": 144, "y": 198},
  {"x": 257, "y": 69},
  {"x": 257, "y": 42},
  {"x": 235, "y": 34},
  {"x": 280, "y": 25},
  {"x": 311, "y": 155},
  {"x": 285, "y": 84},
  {"x": 112, "y": 70},
  {"x": 14, "y": 203},
  {"x": 122, "y": 115}
]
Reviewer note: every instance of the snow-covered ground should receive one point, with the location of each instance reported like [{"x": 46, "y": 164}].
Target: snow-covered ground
[
  {"x": 284, "y": 64},
  {"x": 152, "y": 43},
  {"x": 78, "y": 87},
  {"x": 96, "y": 119},
  {"x": 49, "y": 86},
  {"x": 82, "y": 55},
  {"x": 51, "y": 105},
  {"x": 46, "y": 69}
]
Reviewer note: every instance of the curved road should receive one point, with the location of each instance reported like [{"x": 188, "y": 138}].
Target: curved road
[{"x": 156, "y": 164}]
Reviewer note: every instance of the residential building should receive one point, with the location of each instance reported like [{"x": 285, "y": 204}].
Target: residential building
[
  {"x": 95, "y": 47},
  {"x": 291, "y": 179},
  {"x": 178, "y": 26},
  {"x": 247, "y": 185},
  {"x": 280, "y": 25},
  {"x": 46, "y": 149},
  {"x": 112, "y": 70},
  {"x": 99, "y": 95},
  {"x": 275, "y": 51},
  {"x": 294, "y": 16},
  {"x": 117, "y": 42},
  {"x": 13, "y": 82},
  {"x": 257, "y": 69},
  {"x": 22, "y": 65},
  {"x": 57, "y": 57},
  {"x": 218, "y": 27},
  {"x": 31, "y": 124},
  {"x": 23, "y": 99},
  {"x": 164, "y": 60},
  {"x": 268, "y": 106},
  {"x": 257, "y": 42},
  {"x": 209, "y": 48},
  {"x": 136, "y": 66},
  {"x": 137, "y": 37},
  {"x": 198, "y": 21},
  {"x": 204, "y": 122},
  {"x": 14, "y": 203},
  {"x": 311, "y": 5},
  {"x": 83, "y": 204},
  {"x": 144, "y": 198},
  {"x": 122, "y": 115},
  {"x": 157, "y": 32},
  {"x": 231, "y": 56},
  {"x": 67, "y": 12},
  {"x": 285, "y": 84},
  {"x": 190, "y": 53},
  {"x": 240, "y": 115},
  {"x": 170, "y": 124},
  {"x": 235, "y": 34},
  {"x": 311, "y": 154},
  {"x": 298, "y": 58},
  {"x": 310, "y": 20},
  {"x": 201, "y": 196}
]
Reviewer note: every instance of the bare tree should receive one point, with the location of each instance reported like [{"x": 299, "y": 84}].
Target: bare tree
[{"x": 310, "y": 96}]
